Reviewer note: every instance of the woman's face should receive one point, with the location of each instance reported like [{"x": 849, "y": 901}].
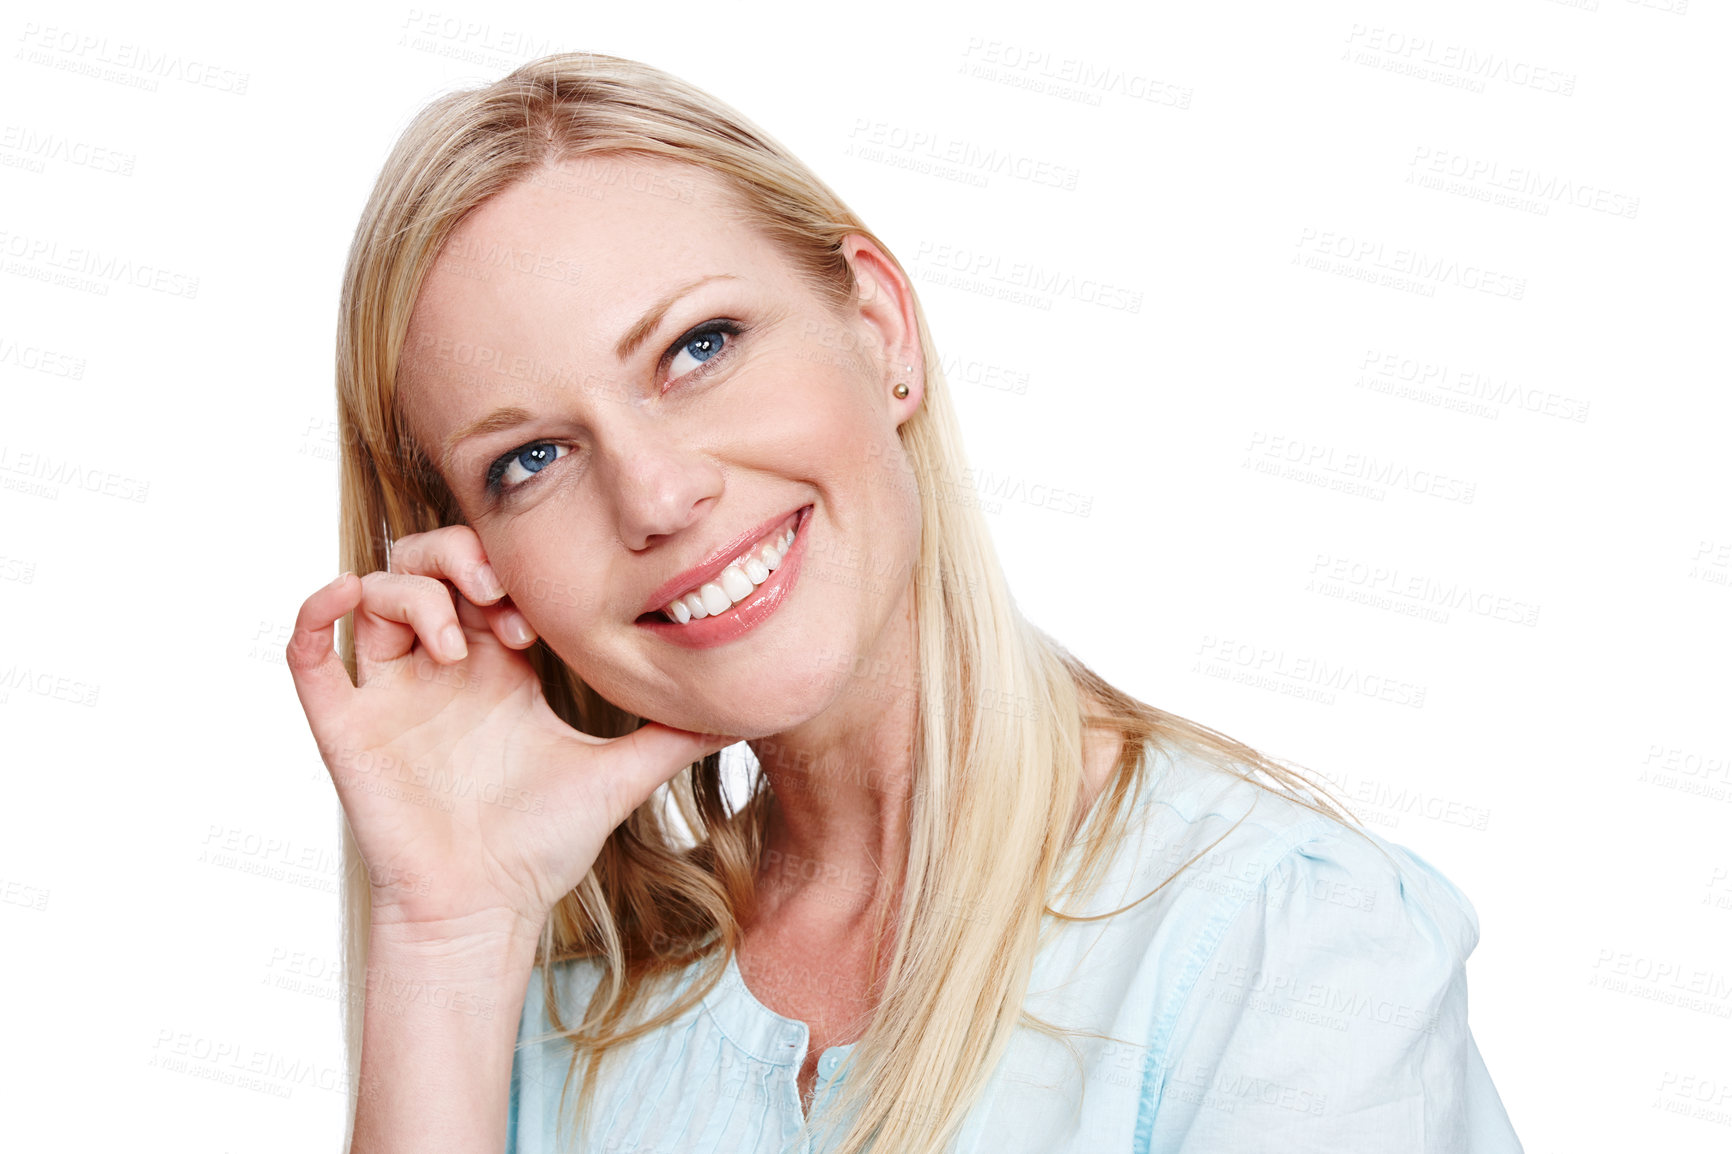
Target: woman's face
[{"x": 626, "y": 385}]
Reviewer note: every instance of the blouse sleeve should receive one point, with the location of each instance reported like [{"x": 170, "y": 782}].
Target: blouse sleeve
[
  {"x": 527, "y": 1072},
  {"x": 532, "y": 1010},
  {"x": 1331, "y": 1016},
  {"x": 511, "y": 1106}
]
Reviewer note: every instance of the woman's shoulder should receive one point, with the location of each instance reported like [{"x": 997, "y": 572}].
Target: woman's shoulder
[
  {"x": 1209, "y": 850},
  {"x": 1314, "y": 980},
  {"x": 1266, "y": 976},
  {"x": 1193, "y": 809}
]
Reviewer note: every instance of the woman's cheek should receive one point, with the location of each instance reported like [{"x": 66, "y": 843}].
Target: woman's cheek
[
  {"x": 533, "y": 592},
  {"x": 526, "y": 588},
  {"x": 555, "y": 598}
]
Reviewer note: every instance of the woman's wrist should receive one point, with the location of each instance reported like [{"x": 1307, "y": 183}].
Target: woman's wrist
[{"x": 477, "y": 947}]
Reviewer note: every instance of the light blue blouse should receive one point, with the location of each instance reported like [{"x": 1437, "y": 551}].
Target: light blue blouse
[{"x": 1292, "y": 990}]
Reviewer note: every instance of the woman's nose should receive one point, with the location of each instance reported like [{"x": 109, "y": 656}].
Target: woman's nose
[{"x": 660, "y": 484}]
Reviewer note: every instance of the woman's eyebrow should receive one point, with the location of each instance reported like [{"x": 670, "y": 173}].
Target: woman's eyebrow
[
  {"x": 494, "y": 422},
  {"x": 640, "y": 332}
]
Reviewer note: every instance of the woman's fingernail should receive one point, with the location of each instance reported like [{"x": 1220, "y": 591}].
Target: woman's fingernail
[
  {"x": 489, "y": 581},
  {"x": 341, "y": 577},
  {"x": 518, "y": 629},
  {"x": 451, "y": 640}
]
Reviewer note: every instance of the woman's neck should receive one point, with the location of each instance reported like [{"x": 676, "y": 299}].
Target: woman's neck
[
  {"x": 836, "y": 845},
  {"x": 839, "y": 828}
]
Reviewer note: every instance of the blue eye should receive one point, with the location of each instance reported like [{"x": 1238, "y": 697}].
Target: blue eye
[
  {"x": 520, "y": 464},
  {"x": 700, "y": 347},
  {"x": 709, "y": 342}
]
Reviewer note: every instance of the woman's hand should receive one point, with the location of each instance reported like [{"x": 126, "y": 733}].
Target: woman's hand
[{"x": 473, "y": 804}]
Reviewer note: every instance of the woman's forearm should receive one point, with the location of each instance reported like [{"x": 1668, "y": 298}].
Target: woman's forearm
[{"x": 440, "y": 1023}]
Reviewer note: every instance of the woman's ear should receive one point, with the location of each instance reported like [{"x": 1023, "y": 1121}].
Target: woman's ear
[{"x": 885, "y": 301}]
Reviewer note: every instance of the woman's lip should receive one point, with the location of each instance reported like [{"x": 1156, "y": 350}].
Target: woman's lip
[
  {"x": 746, "y": 615},
  {"x": 713, "y": 565}
]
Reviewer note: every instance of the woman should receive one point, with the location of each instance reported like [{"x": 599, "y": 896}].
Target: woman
[{"x": 647, "y": 453}]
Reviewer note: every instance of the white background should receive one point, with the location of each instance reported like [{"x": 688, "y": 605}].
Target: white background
[{"x": 1257, "y": 175}]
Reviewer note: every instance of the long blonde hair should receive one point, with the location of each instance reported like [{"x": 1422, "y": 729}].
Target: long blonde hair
[{"x": 1001, "y": 707}]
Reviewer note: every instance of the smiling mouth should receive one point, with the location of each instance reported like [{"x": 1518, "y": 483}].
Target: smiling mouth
[{"x": 742, "y": 577}]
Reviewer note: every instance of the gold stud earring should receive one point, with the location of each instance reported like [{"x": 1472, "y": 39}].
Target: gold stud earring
[{"x": 901, "y": 390}]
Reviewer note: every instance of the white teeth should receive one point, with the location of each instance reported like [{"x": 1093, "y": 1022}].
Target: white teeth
[
  {"x": 715, "y": 599},
  {"x": 735, "y": 583}
]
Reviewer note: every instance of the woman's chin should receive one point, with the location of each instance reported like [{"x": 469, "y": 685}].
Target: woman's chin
[{"x": 766, "y": 707}]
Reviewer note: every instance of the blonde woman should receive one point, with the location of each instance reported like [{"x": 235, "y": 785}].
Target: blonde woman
[{"x": 647, "y": 453}]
